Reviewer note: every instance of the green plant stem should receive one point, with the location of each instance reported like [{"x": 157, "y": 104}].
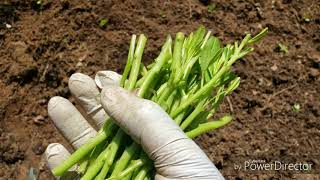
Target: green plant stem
[
  {"x": 153, "y": 85},
  {"x": 129, "y": 61},
  {"x": 143, "y": 172},
  {"x": 140, "y": 81},
  {"x": 146, "y": 163},
  {"x": 148, "y": 177},
  {"x": 91, "y": 158},
  {"x": 163, "y": 57},
  {"x": 180, "y": 117},
  {"x": 97, "y": 151},
  {"x": 205, "y": 127},
  {"x": 204, "y": 90},
  {"x": 175, "y": 104},
  {"x": 129, "y": 175},
  {"x": 143, "y": 70},
  {"x": 134, "y": 73},
  {"x": 199, "y": 108},
  {"x": 125, "y": 158},
  {"x": 259, "y": 36},
  {"x": 164, "y": 95},
  {"x": 115, "y": 143},
  {"x": 74, "y": 158},
  {"x": 158, "y": 92},
  {"x": 112, "y": 148},
  {"x": 170, "y": 101},
  {"x": 175, "y": 67},
  {"x": 187, "y": 68},
  {"x": 133, "y": 165},
  {"x": 83, "y": 166},
  {"x": 161, "y": 60},
  {"x": 95, "y": 167},
  {"x": 177, "y": 52},
  {"x": 103, "y": 172},
  {"x": 134, "y": 173}
]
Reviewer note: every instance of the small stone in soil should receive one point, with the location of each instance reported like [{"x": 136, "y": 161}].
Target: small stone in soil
[
  {"x": 39, "y": 120},
  {"x": 274, "y": 67},
  {"x": 42, "y": 101}
]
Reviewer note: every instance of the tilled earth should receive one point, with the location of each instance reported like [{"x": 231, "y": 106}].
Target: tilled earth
[{"x": 276, "y": 109}]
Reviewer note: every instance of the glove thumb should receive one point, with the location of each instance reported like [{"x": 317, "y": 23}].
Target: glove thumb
[{"x": 175, "y": 156}]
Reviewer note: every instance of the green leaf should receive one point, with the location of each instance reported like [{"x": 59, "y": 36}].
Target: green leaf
[
  {"x": 221, "y": 93},
  {"x": 201, "y": 118},
  {"x": 245, "y": 52},
  {"x": 283, "y": 48},
  {"x": 193, "y": 43},
  {"x": 259, "y": 36},
  {"x": 208, "y": 53},
  {"x": 199, "y": 35},
  {"x": 103, "y": 22},
  {"x": 225, "y": 56},
  {"x": 211, "y": 8},
  {"x": 307, "y": 18},
  {"x": 233, "y": 85},
  {"x": 244, "y": 42},
  {"x": 207, "y": 76},
  {"x": 227, "y": 77},
  {"x": 296, "y": 107}
]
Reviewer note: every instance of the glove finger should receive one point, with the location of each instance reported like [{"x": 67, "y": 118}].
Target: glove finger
[
  {"x": 175, "y": 156},
  {"x": 134, "y": 115},
  {"x": 107, "y": 78},
  {"x": 55, "y": 154},
  {"x": 85, "y": 91},
  {"x": 73, "y": 126}
]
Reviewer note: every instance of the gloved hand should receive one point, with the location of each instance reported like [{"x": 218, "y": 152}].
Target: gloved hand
[{"x": 175, "y": 156}]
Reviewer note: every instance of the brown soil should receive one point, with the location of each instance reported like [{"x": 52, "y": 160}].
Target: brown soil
[{"x": 47, "y": 43}]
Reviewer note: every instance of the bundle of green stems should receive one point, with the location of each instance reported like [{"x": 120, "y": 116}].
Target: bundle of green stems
[{"x": 189, "y": 79}]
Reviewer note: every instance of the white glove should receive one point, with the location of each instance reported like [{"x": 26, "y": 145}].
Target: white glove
[{"x": 175, "y": 156}]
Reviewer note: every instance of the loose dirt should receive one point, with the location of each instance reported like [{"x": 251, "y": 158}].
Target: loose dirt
[{"x": 276, "y": 109}]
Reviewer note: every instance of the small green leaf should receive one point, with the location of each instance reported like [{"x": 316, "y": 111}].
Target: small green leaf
[
  {"x": 233, "y": 85},
  {"x": 191, "y": 49},
  {"x": 296, "y": 107},
  {"x": 221, "y": 93},
  {"x": 211, "y": 8},
  {"x": 103, "y": 22},
  {"x": 227, "y": 78},
  {"x": 207, "y": 76},
  {"x": 283, "y": 48},
  {"x": 259, "y": 36},
  {"x": 244, "y": 42},
  {"x": 198, "y": 37},
  {"x": 245, "y": 52},
  {"x": 163, "y": 14},
  {"x": 306, "y": 17},
  {"x": 221, "y": 59}
]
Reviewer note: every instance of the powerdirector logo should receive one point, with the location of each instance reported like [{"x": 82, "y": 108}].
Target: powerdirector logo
[{"x": 273, "y": 164}]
